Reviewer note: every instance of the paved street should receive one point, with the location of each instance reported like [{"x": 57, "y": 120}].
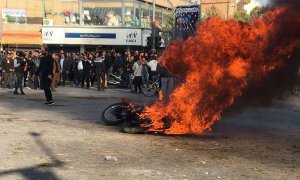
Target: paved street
[{"x": 69, "y": 141}]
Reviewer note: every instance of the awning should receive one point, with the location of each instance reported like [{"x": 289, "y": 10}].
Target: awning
[{"x": 30, "y": 38}]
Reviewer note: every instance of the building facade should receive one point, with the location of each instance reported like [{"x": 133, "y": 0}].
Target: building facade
[
  {"x": 226, "y": 8},
  {"x": 80, "y": 24}
]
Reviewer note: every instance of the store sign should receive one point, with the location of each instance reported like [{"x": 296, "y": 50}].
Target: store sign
[
  {"x": 52, "y": 34},
  {"x": 92, "y": 36},
  {"x": 131, "y": 36},
  {"x": 14, "y": 16}
]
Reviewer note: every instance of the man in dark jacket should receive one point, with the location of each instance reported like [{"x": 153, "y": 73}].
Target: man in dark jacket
[
  {"x": 64, "y": 67},
  {"x": 46, "y": 67},
  {"x": 86, "y": 72},
  {"x": 76, "y": 70},
  {"x": 8, "y": 69}
]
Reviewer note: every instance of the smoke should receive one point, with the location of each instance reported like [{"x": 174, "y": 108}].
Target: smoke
[
  {"x": 285, "y": 31},
  {"x": 279, "y": 3}
]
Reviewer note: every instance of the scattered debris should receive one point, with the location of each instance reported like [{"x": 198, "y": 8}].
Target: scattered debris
[
  {"x": 45, "y": 164},
  {"x": 111, "y": 158},
  {"x": 215, "y": 143},
  {"x": 203, "y": 162}
]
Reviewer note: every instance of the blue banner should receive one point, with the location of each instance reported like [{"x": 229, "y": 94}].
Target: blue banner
[
  {"x": 91, "y": 35},
  {"x": 186, "y": 19}
]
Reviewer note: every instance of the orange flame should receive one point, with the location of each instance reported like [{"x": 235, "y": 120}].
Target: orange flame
[
  {"x": 160, "y": 96},
  {"x": 218, "y": 64}
]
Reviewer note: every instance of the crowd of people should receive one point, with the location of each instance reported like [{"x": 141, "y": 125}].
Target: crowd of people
[{"x": 19, "y": 69}]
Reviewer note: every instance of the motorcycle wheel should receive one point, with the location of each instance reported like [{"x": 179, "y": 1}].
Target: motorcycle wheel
[{"x": 112, "y": 115}]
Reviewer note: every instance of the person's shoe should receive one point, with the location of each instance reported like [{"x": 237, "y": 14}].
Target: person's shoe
[
  {"x": 16, "y": 92},
  {"x": 22, "y": 93},
  {"x": 49, "y": 103}
]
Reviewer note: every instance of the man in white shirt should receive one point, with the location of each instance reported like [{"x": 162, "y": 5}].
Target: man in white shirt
[{"x": 153, "y": 66}]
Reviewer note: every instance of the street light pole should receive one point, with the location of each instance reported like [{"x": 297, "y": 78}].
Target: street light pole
[{"x": 153, "y": 27}]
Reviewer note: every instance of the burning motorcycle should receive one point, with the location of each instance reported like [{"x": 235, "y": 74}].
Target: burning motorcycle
[{"x": 127, "y": 115}]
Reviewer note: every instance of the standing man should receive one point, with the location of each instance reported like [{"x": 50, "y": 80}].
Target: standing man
[
  {"x": 31, "y": 70},
  {"x": 46, "y": 67},
  {"x": 36, "y": 61},
  {"x": 70, "y": 60},
  {"x": 19, "y": 64},
  {"x": 56, "y": 72},
  {"x": 64, "y": 67},
  {"x": 100, "y": 70},
  {"x": 76, "y": 70},
  {"x": 8, "y": 70},
  {"x": 86, "y": 72},
  {"x": 137, "y": 72},
  {"x": 167, "y": 80}
]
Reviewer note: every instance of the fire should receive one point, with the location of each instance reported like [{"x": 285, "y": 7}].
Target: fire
[
  {"x": 160, "y": 96},
  {"x": 218, "y": 64}
]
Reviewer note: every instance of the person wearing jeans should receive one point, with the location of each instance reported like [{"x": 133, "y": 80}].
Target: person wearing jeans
[{"x": 167, "y": 81}]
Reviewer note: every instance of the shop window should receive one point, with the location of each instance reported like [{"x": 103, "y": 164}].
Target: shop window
[{"x": 102, "y": 12}]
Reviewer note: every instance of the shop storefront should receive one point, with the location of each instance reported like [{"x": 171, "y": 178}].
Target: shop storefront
[
  {"x": 82, "y": 38},
  {"x": 24, "y": 22},
  {"x": 16, "y": 33}
]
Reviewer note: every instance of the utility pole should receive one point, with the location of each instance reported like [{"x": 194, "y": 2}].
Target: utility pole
[
  {"x": 81, "y": 22},
  {"x": 153, "y": 27},
  {"x": 43, "y": 9},
  {"x": 123, "y": 13},
  {"x": 81, "y": 16}
]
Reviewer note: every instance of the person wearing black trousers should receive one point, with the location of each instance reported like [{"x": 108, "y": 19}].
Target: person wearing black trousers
[
  {"x": 86, "y": 72},
  {"x": 46, "y": 68}
]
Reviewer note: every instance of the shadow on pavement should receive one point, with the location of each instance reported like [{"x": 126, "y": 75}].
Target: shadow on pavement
[{"x": 39, "y": 171}]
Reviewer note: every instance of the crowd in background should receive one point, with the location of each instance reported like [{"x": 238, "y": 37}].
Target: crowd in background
[{"x": 85, "y": 70}]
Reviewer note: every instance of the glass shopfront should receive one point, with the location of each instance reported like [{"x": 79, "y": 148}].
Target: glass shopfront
[
  {"x": 102, "y": 12},
  {"x": 112, "y": 13}
]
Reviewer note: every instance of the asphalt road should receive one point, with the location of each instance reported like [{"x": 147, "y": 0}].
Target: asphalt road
[{"x": 69, "y": 141}]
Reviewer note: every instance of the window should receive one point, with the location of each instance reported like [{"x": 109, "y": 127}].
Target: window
[{"x": 102, "y": 12}]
